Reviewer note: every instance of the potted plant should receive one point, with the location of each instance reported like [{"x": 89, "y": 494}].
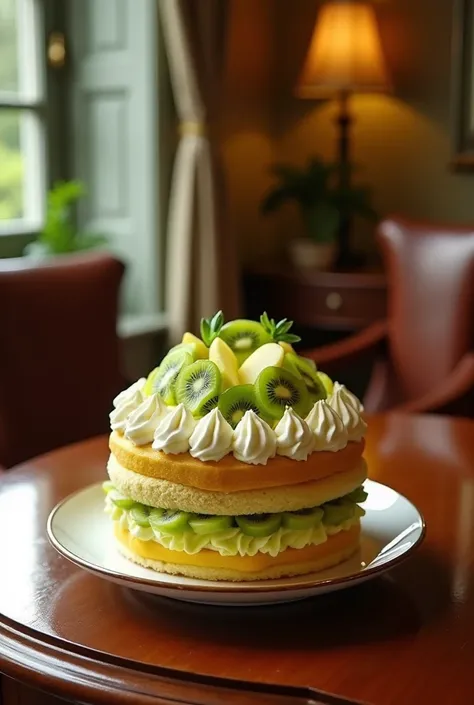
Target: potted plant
[
  {"x": 325, "y": 197},
  {"x": 59, "y": 234}
]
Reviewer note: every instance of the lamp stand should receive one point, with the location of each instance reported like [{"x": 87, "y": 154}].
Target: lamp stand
[{"x": 346, "y": 258}]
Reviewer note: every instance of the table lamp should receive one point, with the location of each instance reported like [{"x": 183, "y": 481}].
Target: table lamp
[{"x": 345, "y": 56}]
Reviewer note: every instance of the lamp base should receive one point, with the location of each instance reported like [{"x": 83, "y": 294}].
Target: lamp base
[
  {"x": 348, "y": 260},
  {"x": 346, "y": 257}
]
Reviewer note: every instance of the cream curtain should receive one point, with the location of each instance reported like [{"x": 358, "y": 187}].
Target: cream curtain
[{"x": 201, "y": 267}]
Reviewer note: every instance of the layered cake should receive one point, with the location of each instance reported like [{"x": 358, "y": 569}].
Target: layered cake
[{"x": 236, "y": 459}]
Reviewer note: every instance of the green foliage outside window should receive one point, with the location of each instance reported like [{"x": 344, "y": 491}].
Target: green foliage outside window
[{"x": 11, "y": 160}]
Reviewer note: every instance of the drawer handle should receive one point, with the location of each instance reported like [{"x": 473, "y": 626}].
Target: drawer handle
[{"x": 334, "y": 301}]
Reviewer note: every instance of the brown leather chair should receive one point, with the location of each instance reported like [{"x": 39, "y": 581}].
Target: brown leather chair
[
  {"x": 424, "y": 351},
  {"x": 59, "y": 351}
]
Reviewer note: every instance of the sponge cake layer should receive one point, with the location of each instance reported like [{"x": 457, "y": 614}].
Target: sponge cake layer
[
  {"x": 231, "y": 475},
  {"x": 172, "y": 495}
]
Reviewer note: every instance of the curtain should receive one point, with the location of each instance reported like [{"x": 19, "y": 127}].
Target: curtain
[{"x": 201, "y": 265}]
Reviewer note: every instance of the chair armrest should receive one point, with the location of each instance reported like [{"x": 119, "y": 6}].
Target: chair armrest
[
  {"x": 352, "y": 348},
  {"x": 452, "y": 389}
]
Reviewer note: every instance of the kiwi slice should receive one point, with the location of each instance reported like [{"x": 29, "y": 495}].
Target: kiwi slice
[
  {"x": 198, "y": 385},
  {"x": 162, "y": 380},
  {"x": 259, "y": 525},
  {"x": 302, "y": 519},
  {"x": 208, "y": 524},
  {"x": 187, "y": 347},
  {"x": 154, "y": 514},
  {"x": 140, "y": 514},
  {"x": 107, "y": 486},
  {"x": 358, "y": 495},
  {"x": 308, "y": 360},
  {"x": 338, "y": 512},
  {"x": 243, "y": 337},
  {"x": 120, "y": 500},
  {"x": 326, "y": 381},
  {"x": 210, "y": 405},
  {"x": 302, "y": 368},
  {"x": 276, "y": 388},
  {"x": 234, "y": 402},
  {"x": 169, "y": 521}
]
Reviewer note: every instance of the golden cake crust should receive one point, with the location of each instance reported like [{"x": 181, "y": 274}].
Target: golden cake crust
[
  {"x": 230, "y": 475},
  {"x": 172, "y": 495},
  {"x": 335, "y": 550}
]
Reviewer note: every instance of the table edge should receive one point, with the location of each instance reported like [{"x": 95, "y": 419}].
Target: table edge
[{"x": 34, "y": 661}]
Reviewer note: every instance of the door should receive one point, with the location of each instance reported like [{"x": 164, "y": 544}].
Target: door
[{"x": 114, "y": 135}]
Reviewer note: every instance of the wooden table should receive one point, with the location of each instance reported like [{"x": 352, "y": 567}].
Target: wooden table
[{"x": 407, "y": 639}]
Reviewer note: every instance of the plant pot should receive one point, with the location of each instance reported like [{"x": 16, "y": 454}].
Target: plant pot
[
  {"x": 37, "y": 251},
  {"x": 306, "y": 254}
]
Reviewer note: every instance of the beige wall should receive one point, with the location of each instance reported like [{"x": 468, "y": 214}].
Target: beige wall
[
  {"x": 246, "y": 120},
  {"x": 402, "y": 142}
]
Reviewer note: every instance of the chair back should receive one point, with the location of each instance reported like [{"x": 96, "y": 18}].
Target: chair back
[
  {"x": 59, "y": 351},
  {"x": 430, "y": 270}
]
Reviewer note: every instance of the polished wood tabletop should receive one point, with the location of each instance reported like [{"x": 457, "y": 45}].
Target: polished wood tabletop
[{"x": 407, "y": 638}]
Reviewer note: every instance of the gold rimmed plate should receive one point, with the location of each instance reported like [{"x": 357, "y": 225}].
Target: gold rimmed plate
[{"x": 391, "y": 529}]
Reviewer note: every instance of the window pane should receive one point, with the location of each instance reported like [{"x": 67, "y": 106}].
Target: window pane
[
  {"x": 11, "y": 166},
  {"x": 9, "y": 78},
  {"x": 21, "y": 167},
  {"x": 21, "y": 52}
]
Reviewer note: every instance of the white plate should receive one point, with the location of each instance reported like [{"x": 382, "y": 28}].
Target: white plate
[{"x": 80, "y": 530}]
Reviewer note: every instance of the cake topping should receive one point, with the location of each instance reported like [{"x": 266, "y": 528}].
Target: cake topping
[
  {"x": 236, "y": 367},
  {"x": 254, "y": 441},
  {"x": 174, "y": 431},
  {"x": 327, "y": 427},
  {"x": 294, "y": 437},
  {"x": 162, "y": 379},
  {"x": 142, "y": 423},
  {"x": 212, "y": 437},
  {"x": 352, "y": 420},
  {"x": 128, "y": 393},
  {"x": 348, "y": 397},
  {"x": 118, "y": 417}
]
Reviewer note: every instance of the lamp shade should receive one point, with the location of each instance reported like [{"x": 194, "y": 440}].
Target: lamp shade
[{"x": 345, "y": 52}]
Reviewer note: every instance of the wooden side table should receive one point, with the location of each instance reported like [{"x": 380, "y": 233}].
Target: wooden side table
[{"x": 339, "y": 301}]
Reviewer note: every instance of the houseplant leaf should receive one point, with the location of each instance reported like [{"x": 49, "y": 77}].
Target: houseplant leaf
[{"x": 322, "y": 221}]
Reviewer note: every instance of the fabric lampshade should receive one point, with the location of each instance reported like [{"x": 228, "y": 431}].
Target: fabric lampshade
[{"x": 345, "y": 52}]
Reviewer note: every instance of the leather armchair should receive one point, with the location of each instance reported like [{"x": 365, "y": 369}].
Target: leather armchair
[
  {"x": 424, "y": 351},
  {"x": 59, "y": 351}
]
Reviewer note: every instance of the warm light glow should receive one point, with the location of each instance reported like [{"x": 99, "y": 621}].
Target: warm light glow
[{"x": 345, "y": 52}]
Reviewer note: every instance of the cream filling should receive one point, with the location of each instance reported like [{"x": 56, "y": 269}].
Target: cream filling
[{"x": 231, "y": 542}]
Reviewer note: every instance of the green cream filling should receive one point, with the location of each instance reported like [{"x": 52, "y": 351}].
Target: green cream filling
[{"x": 339, "y": 515}]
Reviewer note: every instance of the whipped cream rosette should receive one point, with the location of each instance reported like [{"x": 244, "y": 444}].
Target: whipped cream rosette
[{"x": 236, "y": 458}]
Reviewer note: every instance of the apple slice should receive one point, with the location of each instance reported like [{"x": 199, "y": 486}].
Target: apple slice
[
  {"x": 287, "y": 347},
  {"x": 223, "y": 356},
  {"x": 268, "y": 355},
  {"x": 201, "y": 350}
]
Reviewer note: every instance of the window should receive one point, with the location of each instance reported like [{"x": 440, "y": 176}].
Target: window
[
  {"x": 92, "y": 117},
  {"x": 22, "y": 110}
]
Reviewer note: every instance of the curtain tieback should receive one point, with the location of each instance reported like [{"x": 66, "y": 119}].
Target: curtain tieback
[{"x": 192, "y": 127}]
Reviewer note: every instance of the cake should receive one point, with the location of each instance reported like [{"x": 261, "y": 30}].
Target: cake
[{"x": 236, "y": 459}]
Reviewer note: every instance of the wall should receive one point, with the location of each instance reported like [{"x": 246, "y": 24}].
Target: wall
[
  {"x": 402, "y": 142},
  {"x": 246, "y": 118}
]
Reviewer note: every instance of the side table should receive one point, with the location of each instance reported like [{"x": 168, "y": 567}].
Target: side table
[{"x": 339, "y": 301}]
